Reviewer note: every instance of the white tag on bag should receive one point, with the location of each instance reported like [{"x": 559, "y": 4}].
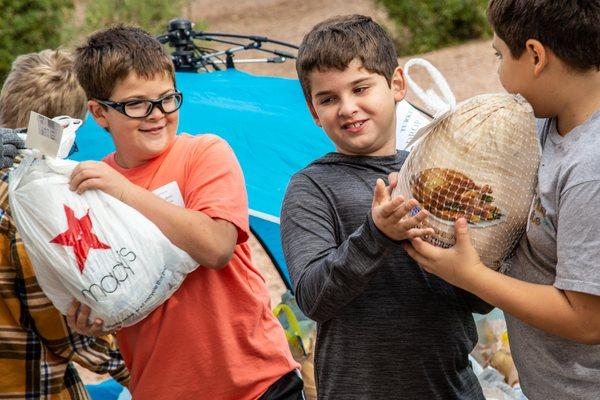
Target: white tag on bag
[
  {"x": 43, "y": 134},
  {"x": 51, "y": 137}
]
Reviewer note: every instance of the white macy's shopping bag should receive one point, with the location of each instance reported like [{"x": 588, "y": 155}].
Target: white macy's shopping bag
[{"x": 92, "y": 247}]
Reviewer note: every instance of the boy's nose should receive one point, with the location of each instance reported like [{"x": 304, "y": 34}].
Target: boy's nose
[
  {"x": 156, "y": 113},
  {"x": 347, "y": 108}
]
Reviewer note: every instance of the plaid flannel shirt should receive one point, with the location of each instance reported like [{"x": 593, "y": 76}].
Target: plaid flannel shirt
[{"x": 36, "y": 345}]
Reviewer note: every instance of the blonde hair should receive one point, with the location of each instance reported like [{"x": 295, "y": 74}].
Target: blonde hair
[{"x": 44, "y": 82}]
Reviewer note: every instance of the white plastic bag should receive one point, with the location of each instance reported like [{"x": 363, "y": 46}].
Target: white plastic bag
[
  {"x": 70, "y": 126},
  {"x": 408, "y": 118},
  {"x": 429, "y": 97},
  {"x": 408, "y": 122},
  {"x": 92, "y": 247}
]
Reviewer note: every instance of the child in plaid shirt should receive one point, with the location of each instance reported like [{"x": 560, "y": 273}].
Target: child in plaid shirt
[{"x": 36, "y": 345}]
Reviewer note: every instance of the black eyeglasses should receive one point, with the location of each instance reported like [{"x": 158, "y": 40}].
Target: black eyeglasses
[{"x": 141, "y": 108}]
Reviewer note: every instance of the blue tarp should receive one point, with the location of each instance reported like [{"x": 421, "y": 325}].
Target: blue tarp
[{"x": 266, "y": 122}]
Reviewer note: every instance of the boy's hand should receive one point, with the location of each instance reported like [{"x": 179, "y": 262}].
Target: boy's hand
[
  {"x": 454, "y": 265},
  {"x": 388, "y": 214},
  {"x": 78, "y": 320},
  {"x": 99, "y": 175}
]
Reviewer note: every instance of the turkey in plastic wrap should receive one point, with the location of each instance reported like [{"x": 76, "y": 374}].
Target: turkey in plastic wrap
[
  {"x": 92, "y": 247},
  {"x": 478, "y": 161}
]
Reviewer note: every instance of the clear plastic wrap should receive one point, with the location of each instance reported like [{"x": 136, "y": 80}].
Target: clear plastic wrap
[{"x": 478, "y": 161}]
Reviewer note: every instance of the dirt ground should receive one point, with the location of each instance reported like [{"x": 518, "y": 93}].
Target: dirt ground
[{"x": 469, "y": 68}]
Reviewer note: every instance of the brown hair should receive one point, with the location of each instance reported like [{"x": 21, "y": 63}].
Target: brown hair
[
  {"x": 571, "y": 29},
  {"x": 109, "y": 55},
  {"x": 335, "y": 42},
  {"x": 43, "y": 82}
]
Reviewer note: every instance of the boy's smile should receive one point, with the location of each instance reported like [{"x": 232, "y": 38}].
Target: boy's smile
[
  {"x": 138, "y": 140},
  {"x": 357, "y": 108}
]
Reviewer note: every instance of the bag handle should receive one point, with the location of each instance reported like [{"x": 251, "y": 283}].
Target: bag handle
[{"x": 429, "y": 97}]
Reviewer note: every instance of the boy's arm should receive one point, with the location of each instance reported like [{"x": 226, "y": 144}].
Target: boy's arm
[
  {"x": 327, "y": 276},
  {"x": 475, "y": 304},
  {"x": 208, "y": 240},
  {"x": 566, "y": 313}
]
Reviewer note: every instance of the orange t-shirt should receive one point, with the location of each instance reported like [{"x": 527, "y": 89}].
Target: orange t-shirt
[{"x": 216, "y": 337}]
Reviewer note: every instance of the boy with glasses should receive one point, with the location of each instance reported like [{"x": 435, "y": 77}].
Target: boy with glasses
[{"x": 216, "y": 337}]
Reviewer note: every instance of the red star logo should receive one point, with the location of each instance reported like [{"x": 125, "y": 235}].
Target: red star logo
[{"x": 79, "y": 235}]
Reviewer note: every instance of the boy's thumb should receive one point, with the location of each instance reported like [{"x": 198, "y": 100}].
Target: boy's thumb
[
  {"x": 379, "y": 194},
  {"x": 461, "y": 231}
]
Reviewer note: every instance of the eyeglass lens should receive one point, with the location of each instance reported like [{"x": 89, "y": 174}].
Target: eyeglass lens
[{"x": 142, "y": 108}]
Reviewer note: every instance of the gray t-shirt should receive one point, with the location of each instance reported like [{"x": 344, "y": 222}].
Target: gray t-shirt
[
  {"x": 561, "y": 248},
  {"x": 386, "y": 328}
]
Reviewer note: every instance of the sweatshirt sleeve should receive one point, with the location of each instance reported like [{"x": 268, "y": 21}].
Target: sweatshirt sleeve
[
  {"x": 475, "y": 304},
  {"x": 327, "y": 275}
]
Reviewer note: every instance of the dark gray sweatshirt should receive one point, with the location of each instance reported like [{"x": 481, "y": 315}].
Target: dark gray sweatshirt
[{"x": 386, "y": 328}]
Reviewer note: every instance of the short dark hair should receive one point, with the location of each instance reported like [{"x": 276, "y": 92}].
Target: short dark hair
[
  {"x": 335, "y": 42},
  {"x": 571, "y": 29},
  {"x": 109, "y": 55}
]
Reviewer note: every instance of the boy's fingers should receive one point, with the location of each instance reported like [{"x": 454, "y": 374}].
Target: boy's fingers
[
  {"x": 400, "y": 212},
  {"x": 413, "y": 253},
  {"x": 73, "y": 308},
  {"x": 422, "y": 247},
  {"x": 77, "y": 177},
  {"x": 97, "y": 327},
  {"x": 393, "y": 182},
  {"x": 393, "y": 179},
  {"x": 82, "y": 317},
  {"x": 72, "y": 313},
  {"x": 92, "y": 183},
  {"x": 418, "y": 220},
  {"x": 385, "y": 192},
  {"x": 379, "y": 193},
  {"x": 419, "y": 232},
  {"x": 390, "y": 208},
  {"x": 461, "y": 231},
  {"x": 404, "y": 209}
]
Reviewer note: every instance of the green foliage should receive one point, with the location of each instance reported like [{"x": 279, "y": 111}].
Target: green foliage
[
  {"x": 425, "y": 25},
  {"x": 30, "y": 25},
  {"x": 151, "y": 15}
]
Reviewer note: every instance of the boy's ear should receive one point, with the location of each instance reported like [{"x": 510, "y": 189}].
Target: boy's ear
[
  {"x": 398, "y": 84},
  {"x": 313, "y": 113},
  {"x": 98, "y": 111},
  {"x": 538, "y": 55}
]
